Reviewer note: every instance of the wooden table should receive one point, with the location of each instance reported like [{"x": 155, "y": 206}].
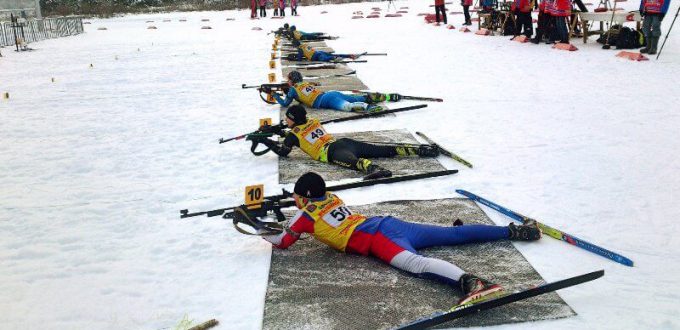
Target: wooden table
[{"x": 619, "y": 17}]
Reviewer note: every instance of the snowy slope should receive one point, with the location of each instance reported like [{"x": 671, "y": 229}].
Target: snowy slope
[{"x": 95, "y": 166}]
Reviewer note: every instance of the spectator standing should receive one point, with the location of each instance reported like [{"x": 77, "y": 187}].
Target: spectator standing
[
  {"x": 293, "y": 7},
  {"x": 440, "y": 8},
  {"x": 263, "y": 8},
  {"x": 522, "y": 10},
  {"x": 560, "y": 10},
  {"x": 466, "y": 11},
  {"x": 653, "y": 12}
]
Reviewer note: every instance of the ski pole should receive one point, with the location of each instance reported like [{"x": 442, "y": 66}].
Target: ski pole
[
  {"x": 669, "y": 31},
  {"x": 609, "y": 33}
]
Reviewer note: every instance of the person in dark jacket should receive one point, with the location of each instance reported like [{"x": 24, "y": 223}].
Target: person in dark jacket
[{"x": 653, "y": 12}]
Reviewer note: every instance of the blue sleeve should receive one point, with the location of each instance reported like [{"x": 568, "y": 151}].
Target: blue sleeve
[
  {"x": 642, "y": 8},
  {"x": 292, "y": 95},
  {"x": 300, "y": 55},
  {"x": 666, "y": 4}
]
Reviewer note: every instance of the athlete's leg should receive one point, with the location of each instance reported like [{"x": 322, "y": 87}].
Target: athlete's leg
[
  {"x": 337, "y": 101},
  {"x": 423, "y": 235},
  {"x": 391, "y": 246}
]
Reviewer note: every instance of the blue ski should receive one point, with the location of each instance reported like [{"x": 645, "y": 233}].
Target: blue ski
[{"x": 552, "y": 232}]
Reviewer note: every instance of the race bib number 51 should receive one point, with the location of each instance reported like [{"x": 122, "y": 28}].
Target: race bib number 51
[{"x": 336, "y": 216}]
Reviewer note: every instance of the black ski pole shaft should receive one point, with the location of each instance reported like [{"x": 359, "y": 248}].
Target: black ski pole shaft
[
  {"x": 244, "y": 86},
  {"x": 669, "y": 32},
  {"x": 609, "y": 33},
  {"x": 373, "y": 114},
  {"x": 14, "y": 29},
  {"x": 393, "y": 179},
  {"x": 374, "y": 54}
]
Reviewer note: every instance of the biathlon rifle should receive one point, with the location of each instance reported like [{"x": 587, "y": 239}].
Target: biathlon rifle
[
  {"x": 250, "y": 212},
  {"x": 266, "y": 89},
  {"x": 266, "y": 131}
]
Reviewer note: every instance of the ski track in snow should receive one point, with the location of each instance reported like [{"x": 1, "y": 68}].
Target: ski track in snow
[{"x": 95, "y": 166}]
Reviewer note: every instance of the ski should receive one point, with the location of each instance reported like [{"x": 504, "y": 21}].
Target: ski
[
  {"x": 444, "y": 151},
  {"x": 374, "y": 114},
  {"x": 300, "y": 63},
  {"x": 420, "y": 98},
  {"x": 550, "y": 231},
  {"x": 332, "y": 75},
  {"x": 406, "y": 97},
  {"x": 282, "y": 125},
  {"x": 473, "y": 308},
  {"x": 393, "y": 179}
]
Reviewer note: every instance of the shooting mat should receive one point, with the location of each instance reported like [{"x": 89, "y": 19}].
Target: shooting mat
[
  {"x": 297, "y": 162},
  {"x": 312, "y": 286},
  {"x": 346, "y": 83}
]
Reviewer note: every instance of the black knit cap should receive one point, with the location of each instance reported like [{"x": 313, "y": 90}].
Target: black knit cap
[
  {"x": 310, "y": 185},
  {"x": 297, "y": 114}
]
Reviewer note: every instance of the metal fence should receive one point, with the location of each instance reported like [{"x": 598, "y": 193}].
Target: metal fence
[{"x": 32, "y": 30}]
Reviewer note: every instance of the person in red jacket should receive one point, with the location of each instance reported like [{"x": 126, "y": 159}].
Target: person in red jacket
[
  {"x": 466, "y": 10},
  {"x": 542, "y": 25},
  {"x": 560, "y": 10},
  {"x": 522, "y": 10},
  {"x": 439, "y": 7}
]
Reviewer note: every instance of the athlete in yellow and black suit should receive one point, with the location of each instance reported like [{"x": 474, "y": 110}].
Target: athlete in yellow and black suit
[{"x": 312, "y": 138}]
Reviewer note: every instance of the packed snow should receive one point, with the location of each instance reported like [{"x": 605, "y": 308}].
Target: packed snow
[{"x": 95, "y": 165}]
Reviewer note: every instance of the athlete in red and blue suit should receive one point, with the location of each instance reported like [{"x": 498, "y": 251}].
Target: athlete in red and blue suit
[{"x": 324, "y": 216}]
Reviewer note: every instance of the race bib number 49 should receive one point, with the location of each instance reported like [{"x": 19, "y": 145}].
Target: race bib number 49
[{"x": 315, "y": 135}]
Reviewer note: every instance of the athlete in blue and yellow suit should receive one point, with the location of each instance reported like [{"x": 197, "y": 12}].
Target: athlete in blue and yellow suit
[
  {"x": 315, "y": 141},
  {"x": 307, "y": 94},
  {"x": 305, "y": 52},
  {"x": 324, "y": 216},
  {"x": 296, "y": 34}
]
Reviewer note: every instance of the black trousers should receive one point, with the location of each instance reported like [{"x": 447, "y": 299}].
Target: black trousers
[
  {"x": 542, "y": 26},
  {"x": 466, "y": 12},
  {"x": 263, "y": 11},
  {"x": 437, "y": 10},
  {"x": 523, "y": 21},
  {"x": 293, "y": 10},
  {"x": 346, "y": 152}
]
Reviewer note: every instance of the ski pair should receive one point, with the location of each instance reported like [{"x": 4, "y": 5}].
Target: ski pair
[
  {"x": 550, "y": 231},
  {"x": 494, "y": 301}
]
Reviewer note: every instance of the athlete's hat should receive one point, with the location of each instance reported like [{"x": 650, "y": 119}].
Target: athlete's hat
[
  {"x": 310, "y": 185},
  {"x": 297, "y": 114}
]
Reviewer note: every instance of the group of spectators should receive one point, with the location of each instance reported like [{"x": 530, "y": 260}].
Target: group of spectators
[
  {"x": 553, "y": 17},
  {"x": 278, "y": 5}
]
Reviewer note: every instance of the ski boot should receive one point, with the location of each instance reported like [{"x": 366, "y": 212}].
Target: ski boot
[
  {"x": 647, "y": 46},
  {"x": 374, "y": 108},
  {"x": 528, "y": 231},
  {"x": 475, "y": 288},
  {"x": 427, "y": 150},
  {"x": 355, "y": 107},
  {"x": 653, "y": 43}
]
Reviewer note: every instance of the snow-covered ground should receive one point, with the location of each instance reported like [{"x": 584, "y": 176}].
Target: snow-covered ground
[{"x": 95, "y": 165}]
